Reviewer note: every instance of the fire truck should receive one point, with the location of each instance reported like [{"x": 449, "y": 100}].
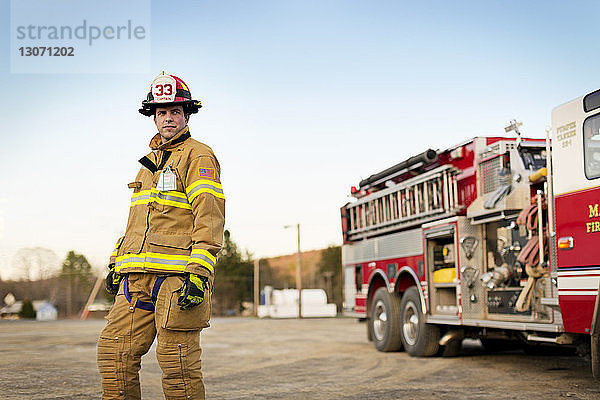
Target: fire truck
[{"x": 496, "y": 238}]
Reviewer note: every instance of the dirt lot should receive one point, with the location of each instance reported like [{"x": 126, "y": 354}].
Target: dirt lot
[{"x": 287, "y": 359}]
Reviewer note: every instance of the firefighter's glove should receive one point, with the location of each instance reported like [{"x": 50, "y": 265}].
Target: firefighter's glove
[
  {"x": 112, "y": 282},
  {"x": 192, "y": 291}
]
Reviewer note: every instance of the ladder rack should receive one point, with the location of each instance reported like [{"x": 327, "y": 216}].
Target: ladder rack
[{"x": 429, "y": 196}]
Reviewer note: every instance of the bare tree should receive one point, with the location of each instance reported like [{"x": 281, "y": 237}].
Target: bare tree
[{"x": 35, "y": 263}]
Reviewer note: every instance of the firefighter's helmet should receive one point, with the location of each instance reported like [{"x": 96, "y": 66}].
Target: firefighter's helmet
[{"x": 169, "y": 90}]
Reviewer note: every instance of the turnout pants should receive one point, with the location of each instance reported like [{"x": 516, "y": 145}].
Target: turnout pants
[{"x": 145, "y": 308}]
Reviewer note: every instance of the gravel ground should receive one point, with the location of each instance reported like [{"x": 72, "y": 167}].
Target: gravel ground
[{"x": 287, "y": 359}]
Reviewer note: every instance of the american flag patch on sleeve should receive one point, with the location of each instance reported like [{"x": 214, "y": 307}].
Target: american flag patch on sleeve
[{"x": 206, "y": 173}]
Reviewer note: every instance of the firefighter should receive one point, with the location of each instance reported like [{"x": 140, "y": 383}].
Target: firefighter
[{"x": 162, "y": 269}]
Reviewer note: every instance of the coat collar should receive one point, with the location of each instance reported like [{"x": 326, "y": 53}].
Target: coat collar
[{"x": 181, "y": 136}]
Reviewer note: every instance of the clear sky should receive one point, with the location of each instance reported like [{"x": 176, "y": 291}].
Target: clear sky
[{"x": 301, "y": 100}]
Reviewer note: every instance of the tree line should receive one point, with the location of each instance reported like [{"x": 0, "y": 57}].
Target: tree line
[
  {"x": 235, "y": 277},
  {"x": 69, "y": 288}
]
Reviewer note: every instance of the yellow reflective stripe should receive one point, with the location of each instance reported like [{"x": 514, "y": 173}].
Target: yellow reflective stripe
[
  {"x": 152, "y": 265},
  {"x": 205, "y": 264},
  {"x": 172, "y": 203},
  {"x": 204, "y": 258},
  {"x": 139, "y": 194},
  {"x": 204, "y": 186},
  {"x": 139, "y": 202},
  {"x": 136, "y": 200},
  {"x": 178, "y": 257},
  {"x": 199, "y": 191},
  {"x": 204, "y": 253},
  {"x": 170, "y": 193},
  {"x": 165, "y": 262},
  {"x": 216, "y": 185},
  {"x": 169, "y": 257},
  {"x": 155, "y": 196}
]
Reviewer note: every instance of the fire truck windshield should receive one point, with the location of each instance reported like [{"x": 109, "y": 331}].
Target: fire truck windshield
[
  {"x": 533, "y": 157},
  {"x": 591, "y": 145}
]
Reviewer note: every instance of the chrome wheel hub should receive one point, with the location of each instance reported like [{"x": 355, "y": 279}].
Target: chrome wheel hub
[
  {"x": 379, "y": 320},
  {"x": 410, "y": 323}
]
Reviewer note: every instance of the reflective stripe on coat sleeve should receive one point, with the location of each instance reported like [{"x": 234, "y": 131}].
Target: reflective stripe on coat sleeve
[
  {"x": 204, "y": 186},
  {"x": 203, "y": 176},
  {"x": 204, "y": 258},
  {"x": 205, "y": 195}
]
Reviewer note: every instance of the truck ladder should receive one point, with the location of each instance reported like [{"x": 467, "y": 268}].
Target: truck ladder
[{"x": 426, "y": 197}]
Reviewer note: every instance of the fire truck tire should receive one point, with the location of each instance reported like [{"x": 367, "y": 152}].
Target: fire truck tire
[
  {"x": 384, "y": 322},
  {"x": 419, "y": 338},
  {"x": 452, "y": 349}
]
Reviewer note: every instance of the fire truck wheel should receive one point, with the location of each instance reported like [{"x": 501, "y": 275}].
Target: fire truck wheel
[
  {"x": 369, "y": 330},
  {"x": 452, "y": 349},
  {"x": 384, "y": 324},
  {"x": 419, "y": 338}
]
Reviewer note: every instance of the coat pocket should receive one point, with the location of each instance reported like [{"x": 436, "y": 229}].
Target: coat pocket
[
  {"x": 183, "y": 242},
  {"x": 170, "y": 253},
  {"x": 184, "y": 320}
]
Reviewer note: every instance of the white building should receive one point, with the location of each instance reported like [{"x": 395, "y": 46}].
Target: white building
[
  {"x": 45, "y": 311},
  {"x": 284, "y": 303}
]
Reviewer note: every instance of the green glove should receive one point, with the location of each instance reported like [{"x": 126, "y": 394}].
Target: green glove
[
  {"x": 192, "y": 291},
  {"x": 112, "y": 281}
]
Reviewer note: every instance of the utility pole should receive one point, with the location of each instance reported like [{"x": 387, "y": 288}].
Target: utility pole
[
  {"x": 328, "y": 275},
  {"x": 299, "y": 276},
  {"x": 298, "y": 272},
  {"x": 256, "y": 286},
  {"x": 70, "y": 296}
]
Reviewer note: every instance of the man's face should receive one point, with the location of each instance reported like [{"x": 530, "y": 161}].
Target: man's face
[{"x": 169, "y": 121}]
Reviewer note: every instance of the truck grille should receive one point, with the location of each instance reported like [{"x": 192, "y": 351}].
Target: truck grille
[{"x": 489, "y": 170}]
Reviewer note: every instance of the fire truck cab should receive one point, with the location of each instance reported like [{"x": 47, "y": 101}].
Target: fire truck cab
[{"x": 486, "y": 239}]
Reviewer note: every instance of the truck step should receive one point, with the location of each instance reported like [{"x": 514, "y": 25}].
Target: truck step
[{"x": 550, "y": 301}]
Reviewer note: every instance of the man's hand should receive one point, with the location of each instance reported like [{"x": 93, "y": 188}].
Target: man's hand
[
  {"x": 192, "y": 291},
  {"x": 112, "y": 282}
]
